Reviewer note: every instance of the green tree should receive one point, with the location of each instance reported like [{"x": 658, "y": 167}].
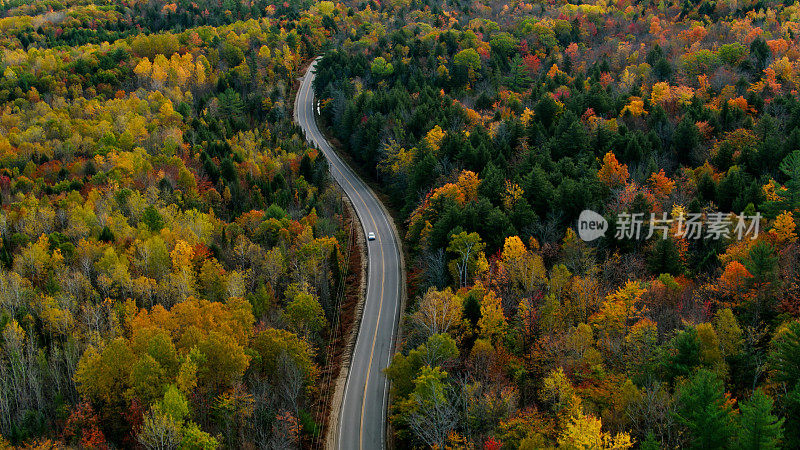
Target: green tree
[
  {"x": 759, "y": 52},
  {"x": 147, "y": 379},
  {"x": 381, "y": 68},
  {"x": 681, "y": 355},
  {"x": 502, "y": 44},
  {"x": 686, "y": 140},
  {"x": 785, "y": 355},
  {"x": 784, "y": 360},
  {"x": 152, "y": 218},
  {"x": 468, "y": 249},
  {"x": 731, "y": 53},
  {"x": 468, "y": 58},
  {"x": 439, "y": 349},
  {"x": 759, "y": 429},
  {"x": 664, "y": 257},
  {"x": 174, "y": 404},
  {"x": 650, "y": 442},
  {"x": 790, "y": 166},
  {"x": 519, "y": 79},
  {"x": 272, "y": 343},
  {"x": 305, "y": 314},
  {"x": 432, "y": 416},
  {"x": 703, "y": 409},
  {"x": 196, "y": 439},
  {"x": 762, "y": 262},
  {"x": 546, "y": 110}
]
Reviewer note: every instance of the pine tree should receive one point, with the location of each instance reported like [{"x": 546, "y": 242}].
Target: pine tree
[
  {"x": 790, "y": 166},
  {"x": 519, "y": 79},
  {"x": 703, "y": 410},
  {"x": 650, "y": 443},
  {"x": 762, "y": 262},
  {"x": 785, "y": 364},
  {"x": 665, "y": 258},
  {"x": 758, "y": 427},
  {"x": 686, "y": 139},
  {"x": 785, "y": 357}
]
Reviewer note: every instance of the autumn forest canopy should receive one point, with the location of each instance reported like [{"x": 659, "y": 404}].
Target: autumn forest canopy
[{"x": 174, "y": 255}]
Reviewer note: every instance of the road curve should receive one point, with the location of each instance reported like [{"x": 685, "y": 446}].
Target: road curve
[{"x": 362, "y": 419}]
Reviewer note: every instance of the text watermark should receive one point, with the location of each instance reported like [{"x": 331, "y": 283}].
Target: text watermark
[{"x": 636, "y": 226}]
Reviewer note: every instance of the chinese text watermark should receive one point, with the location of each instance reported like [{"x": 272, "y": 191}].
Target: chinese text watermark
[{"x": 637, "y": 226}]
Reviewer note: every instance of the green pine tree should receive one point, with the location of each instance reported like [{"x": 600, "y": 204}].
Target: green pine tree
[
  {"x": 519, "y": 79},
  {"x": 650, "y": 443},
  {"x": 686, "y": 139},
  {"x": 790, "y": 166},
  {"x": 664, "y": 257},
  {"x": 784, "y": 360},
  {"x": 785, "y": 356},
  {"x": 758, "y": 428},
  {"x": 703, "y": 411}
]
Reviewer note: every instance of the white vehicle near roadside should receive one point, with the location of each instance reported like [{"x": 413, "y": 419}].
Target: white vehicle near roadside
[{"x": 371, "y": 236}]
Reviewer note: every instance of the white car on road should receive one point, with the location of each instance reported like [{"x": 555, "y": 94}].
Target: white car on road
[{"x": 371, "y": 236}]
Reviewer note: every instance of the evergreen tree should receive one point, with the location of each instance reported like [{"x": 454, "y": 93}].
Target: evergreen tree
[
  {"x": 665, "y": 257},
  {"x": 785, "y": 363},
  {"x": 682, "y": 354},
  {"x": 759, "y": 52},
  {"x": 650, "y": 443},
  {"x": 686, "y": 139},
  {"x": 106, "y": 235},
  {"x": 702, "y": 409},
  {"x": 785, "y": 357},
  {"x": 546, "y": 110},
  {"x": 759, "y": 429},
  {"x": 519, "y": 79},
  {"x": 790, "y": 166},
  {"x": 491, "y": 186},
  {"x": 762, "y": 262},
  {"x": 152, "y": 218}
]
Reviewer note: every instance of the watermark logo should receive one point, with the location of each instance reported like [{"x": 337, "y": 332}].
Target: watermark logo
[
  {"x": 591, "y": 225},
  {"x": 636, "y": 226}
]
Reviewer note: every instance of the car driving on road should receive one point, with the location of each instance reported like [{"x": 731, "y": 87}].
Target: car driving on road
[{"x": 371, "y": 236}]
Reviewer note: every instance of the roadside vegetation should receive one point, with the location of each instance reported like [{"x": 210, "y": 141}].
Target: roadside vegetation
[{"x": 492, "y": 125}]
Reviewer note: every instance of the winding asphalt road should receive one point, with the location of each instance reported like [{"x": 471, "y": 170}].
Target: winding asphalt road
[{"x": 362, "y": 419}]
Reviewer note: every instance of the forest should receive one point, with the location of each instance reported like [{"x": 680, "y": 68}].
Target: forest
[
  {"x": 492, "y": 125},
  {"x": 173, "y": 254}
]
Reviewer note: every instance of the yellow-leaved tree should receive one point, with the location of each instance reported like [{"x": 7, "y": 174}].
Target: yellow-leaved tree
[
  {"x": 584, "y": 432},
  {"x": 525, "y": 270},
  {"x": 617, "y": 311},
  {"x": 468, "y": 182},
  {"x": 434, "y": 138},
  {"x": 492, "y": 322},
  {"x": 783, "y": 230},
  {"x": 438, "y": 312}
]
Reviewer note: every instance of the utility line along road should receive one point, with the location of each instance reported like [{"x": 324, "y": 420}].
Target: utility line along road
[{"x": 362, "y": 419}]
